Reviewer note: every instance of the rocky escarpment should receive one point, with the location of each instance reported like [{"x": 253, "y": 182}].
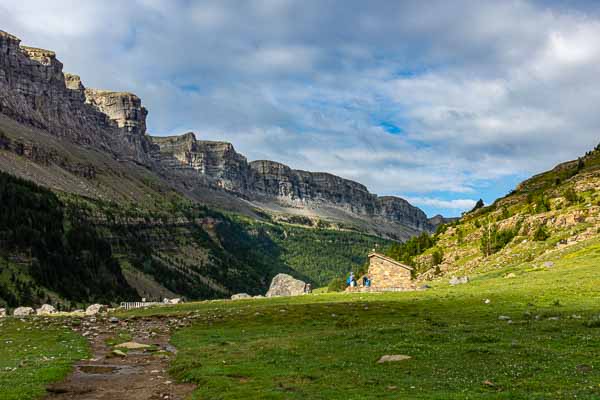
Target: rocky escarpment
[
  {"x": 221, "y": 166},
  {"x": 34, "y": 90}
]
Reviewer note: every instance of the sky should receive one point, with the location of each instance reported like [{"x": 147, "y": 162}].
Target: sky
[{"x": 438, "y": 102}]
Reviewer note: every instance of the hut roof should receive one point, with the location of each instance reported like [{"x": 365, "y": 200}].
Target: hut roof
[{"x": 390, "y": 260}]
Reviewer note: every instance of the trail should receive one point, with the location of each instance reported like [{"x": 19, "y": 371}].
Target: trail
[{"x": 142, "y": 374}]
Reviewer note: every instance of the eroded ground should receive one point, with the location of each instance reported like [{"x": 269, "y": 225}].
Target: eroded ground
[{"x": 134, "y": 374}]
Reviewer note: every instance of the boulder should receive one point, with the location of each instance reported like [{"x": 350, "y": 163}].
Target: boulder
[
  {"x": 240, "y": 296},
  {"x": 393, "y": 358},
  {"x": 286, "y": 285},
  {"x": 45, "y": 309},
  {"x": 459, "y": 280},
  {"x": 95, "y": 309},
  {"x": 23, "y": 311},
  {"x": 2, "y": 312}
]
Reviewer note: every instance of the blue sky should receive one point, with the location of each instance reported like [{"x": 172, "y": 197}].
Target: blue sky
[{"x": 439, "y": 102}]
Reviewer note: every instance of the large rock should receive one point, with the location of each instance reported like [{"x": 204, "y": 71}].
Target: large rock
[
  {"x": 23, "y": 311},
  {"x": 45, "y": 309},
  {"x": 95, "y": 309},
  {"x": 2, "y": 312},
  {"x": 240, "y": 296},
  {"x": 286, "y": 285}
]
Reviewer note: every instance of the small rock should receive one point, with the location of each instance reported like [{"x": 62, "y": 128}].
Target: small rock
[
  {"x": 487, "y": 301},
  {"x": 119, "y": 353},
  {"x": 241, "y": 296},
  {"x": 459, "y": 280},
  {"x": 23, "y": 311},
  {"x": 113, "y": 320},
  {"x": 504, "y": 318},
  {"x": 511, "y": 275},
  {"x": 2, "y": 312},
  {"x": 393, "y": 358},
  {"x": 583, "y": 368},
  {"x": 132, "y": 346},
  {"x": 553, "y": 318},
  {"x": 548, "y": 264}
]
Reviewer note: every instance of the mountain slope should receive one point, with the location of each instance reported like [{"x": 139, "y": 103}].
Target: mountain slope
[{"x": 544, "y": 217}]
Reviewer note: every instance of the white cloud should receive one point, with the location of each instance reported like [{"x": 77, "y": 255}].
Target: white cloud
[
  {"x": 308, "y": 83},
  {"x": 455, "y": 204}
]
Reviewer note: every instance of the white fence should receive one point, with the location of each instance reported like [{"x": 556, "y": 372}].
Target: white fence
[{"x": 139, "y": 304}]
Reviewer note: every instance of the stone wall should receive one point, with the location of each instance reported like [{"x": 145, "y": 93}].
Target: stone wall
[{"x": 385, "y": 274}]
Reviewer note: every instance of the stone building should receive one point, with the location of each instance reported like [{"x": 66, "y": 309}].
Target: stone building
[{"x": 387, "y": 274}]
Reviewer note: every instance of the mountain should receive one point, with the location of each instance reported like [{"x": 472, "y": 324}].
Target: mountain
[
  {"x": 158, "y": 216},
  {"x": 38, "y": 94}
]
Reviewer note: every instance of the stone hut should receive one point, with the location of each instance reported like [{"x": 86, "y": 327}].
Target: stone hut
[{"x": 387, "y": 274}]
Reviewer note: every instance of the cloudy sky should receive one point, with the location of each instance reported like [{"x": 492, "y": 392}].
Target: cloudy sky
[{"x": 440, "y": 102}]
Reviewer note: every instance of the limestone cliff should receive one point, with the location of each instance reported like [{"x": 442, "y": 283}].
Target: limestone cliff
[
  {"x": 222, "y": 167},
  {"x": 35, "y": 91}
]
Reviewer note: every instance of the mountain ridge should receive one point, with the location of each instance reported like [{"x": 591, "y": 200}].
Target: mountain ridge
[{"x": 39, "y": 94}]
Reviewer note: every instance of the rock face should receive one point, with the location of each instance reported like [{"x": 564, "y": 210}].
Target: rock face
[
  {"x": 45, "y": 309},
  {"x": 34, "y": 90},
  {"x": 220, "y": 166},
  {"x": 23, "y": 311},
  {"x": 286, "y": 285}
]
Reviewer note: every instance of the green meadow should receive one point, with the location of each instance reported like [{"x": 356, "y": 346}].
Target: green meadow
[{"x": 537, "y": 337}]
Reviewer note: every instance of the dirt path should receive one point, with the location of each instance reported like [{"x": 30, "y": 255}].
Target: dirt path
[{"x": 141, "y": 374}]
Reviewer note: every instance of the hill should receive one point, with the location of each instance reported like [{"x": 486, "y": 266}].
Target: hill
[{"x": 537, "y": 222}]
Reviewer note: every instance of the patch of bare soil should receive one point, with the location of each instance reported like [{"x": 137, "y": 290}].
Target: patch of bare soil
[{"x": 134, "y": 374}]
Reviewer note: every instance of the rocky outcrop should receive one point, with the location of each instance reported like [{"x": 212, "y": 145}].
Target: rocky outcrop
[
  {"x": 220, "y": 166},
  {"x": 286, "y": 285},
  {"x": 34, "y": 90},
  {"x": 125, "y": 109}
]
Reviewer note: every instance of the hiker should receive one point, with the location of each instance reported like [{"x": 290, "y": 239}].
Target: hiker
[
  {"x": 351, "y": 281},
  {"x": 366, "y": 281}
]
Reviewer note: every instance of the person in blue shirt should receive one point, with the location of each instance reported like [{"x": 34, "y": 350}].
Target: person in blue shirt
[{"x": 351, "y": 281}]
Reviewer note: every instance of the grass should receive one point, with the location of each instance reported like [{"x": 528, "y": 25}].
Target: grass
[
  {"x": 34, "y": 353},
  {"x": 326, "y": 346}
]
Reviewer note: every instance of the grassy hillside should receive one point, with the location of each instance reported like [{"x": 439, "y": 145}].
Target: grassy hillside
[
  {"x": 534, "y": 338},
  {"x": 541, "y": 219}
]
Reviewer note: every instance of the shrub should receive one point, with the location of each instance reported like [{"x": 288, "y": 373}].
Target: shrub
[
  {"x": 493, "y": 240},
  {"x": 336, "y": 285},
  {"x": 437, "y": 257},
  {"x": 541, "y": 234},
  {"x": 571, "y": 196}
]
